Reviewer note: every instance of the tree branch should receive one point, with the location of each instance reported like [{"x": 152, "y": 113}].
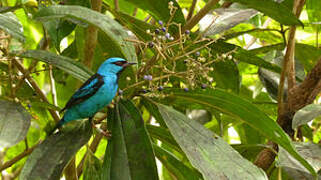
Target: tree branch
[
  {"x": 33, "y": 83},
  {"x": 191, "y": 10},
  {"x": 195, "y": 19},
  {"x": 17, "y": 158}
]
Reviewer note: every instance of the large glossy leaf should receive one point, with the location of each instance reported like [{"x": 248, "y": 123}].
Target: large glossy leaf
[
  {"x": 48, "y": 160},
  {"x": 14, "y": 123},
  {"x": 228, "y": 18},
  {"x": 66, "y": 64},
  {"x": 129, "y": 154},
  {"x": 277, "y": 11},
  {"x": 175, "y": 166},
  {"x": 207, "y": 152},
  {"x": 235, "y": 106},
  {"x": 306, "y": 114},
  {"x": 10, "y": 23},
  {"x": 115, "y": 32},
  {"x": 310, "y": 152}
]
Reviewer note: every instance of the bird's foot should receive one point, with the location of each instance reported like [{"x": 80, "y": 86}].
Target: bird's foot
[{"x": 107, "y": 134}]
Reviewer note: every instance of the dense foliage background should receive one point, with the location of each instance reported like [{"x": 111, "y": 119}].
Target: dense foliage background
[{"x": 221, "y": 90}]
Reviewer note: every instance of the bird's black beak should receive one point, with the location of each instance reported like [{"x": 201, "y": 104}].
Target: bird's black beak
[{"x": 128, "y": 64}]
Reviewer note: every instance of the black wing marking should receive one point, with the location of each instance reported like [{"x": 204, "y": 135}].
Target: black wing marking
[{"x": 88, "y": 89}]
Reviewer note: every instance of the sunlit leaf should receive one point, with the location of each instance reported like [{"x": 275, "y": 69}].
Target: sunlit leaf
[
  {"x": 10, "y": 23},
  {"x": 14, "y": 123}
]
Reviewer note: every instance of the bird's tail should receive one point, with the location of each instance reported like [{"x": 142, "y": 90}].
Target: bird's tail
[{"x": 58, "y": 125}]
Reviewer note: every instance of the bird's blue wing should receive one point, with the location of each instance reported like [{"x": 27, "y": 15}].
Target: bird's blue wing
[{"x": 88, "y": 89}]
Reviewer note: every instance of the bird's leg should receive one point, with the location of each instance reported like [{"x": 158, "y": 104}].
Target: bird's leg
[{"x": 106, "y": 133}]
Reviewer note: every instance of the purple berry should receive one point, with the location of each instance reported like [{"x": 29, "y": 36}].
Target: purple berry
[
  {"x": 187, "y": 32},
  {"x": 160, "y": 88},
  {"x": 197, "y": 53},
  {"x": 120, "y": 92},
  {"x": 29, "y": 106},
  {"x": 160, "y": 22},
  {"x": 204, "y": 86},
  {"x": 145, "y": 77},
  {"x": 157, "y": 31},
  {"x": 149, "y": 77},
  {"x": 167, "y": 35},
  {"x": 150, "y": 44},
  {"x": 186, "y": 89},
  {"x": 163, "y": 29},
  {"x": 144, "y": 91}
]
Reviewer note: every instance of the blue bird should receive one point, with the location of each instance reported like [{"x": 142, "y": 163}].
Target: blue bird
[{"x": 97, "y": 92}]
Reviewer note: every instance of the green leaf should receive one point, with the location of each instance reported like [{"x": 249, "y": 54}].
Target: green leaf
[
  {"x": 313, "y": 8},
  {"x": 226, "y": 75},
  {"x": 306, "y": 114},
  {"x": 276, "y": 11},
  {"x": 66, "y": 64},
  {"x": 137, "y": 26},
  {"x": 48, "y": 160},
  {"x": 235, "y": 106},
  {"x": 129, "y": 153},
  {"x": 207, "y": 152},
  {"x": 160, "y": 11},
  {"x": 175, "y": 166},
  {"x": 114, "y": 31},
  {"x": 14, "y": 123},
  {"x": 308, "y": 55},
  {"x": 243, "y": 55},
  {"x": 10, "y": 24},
  {"x": 92, "y": 167},
  {"x": 310, "y": 152}
]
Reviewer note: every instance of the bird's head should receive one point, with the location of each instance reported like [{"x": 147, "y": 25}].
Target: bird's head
[{"x": 113, "y": 65}]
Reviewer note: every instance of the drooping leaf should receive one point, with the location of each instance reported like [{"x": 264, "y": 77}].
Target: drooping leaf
[
  {"x": 176, "y": 167},
  {"x": 240, "y": 108},
  {"x": 227, "y": 18},
  {"x": 115, "y": 32},
  {"x": 310, "y": 152},
  {"x": 66, "y": 64},
  {"x": 10, "y": 24},
  {"x": 48, "y": 160},
  {"x": 14, "y": 123},
  {"x": 277, "y": 11},
  {"x": 306, "y": 114},
  {"x": 129, "y": 154},
  {"x": 207, "y": 152}
]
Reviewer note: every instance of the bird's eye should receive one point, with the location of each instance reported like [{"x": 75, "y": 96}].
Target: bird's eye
[{"x": 120, "y": 63}]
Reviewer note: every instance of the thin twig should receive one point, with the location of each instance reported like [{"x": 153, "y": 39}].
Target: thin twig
[
  {"x": 195, "y": 19},
  {"x": 116, "y": 3},
  {"x": 191, "y": 10},
  {"x": 17, "y": 158},
  {"x": 53, "y": 87}
]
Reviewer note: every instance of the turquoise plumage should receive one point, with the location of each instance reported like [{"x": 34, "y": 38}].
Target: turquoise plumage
[{"x": 96, "y": 93}]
